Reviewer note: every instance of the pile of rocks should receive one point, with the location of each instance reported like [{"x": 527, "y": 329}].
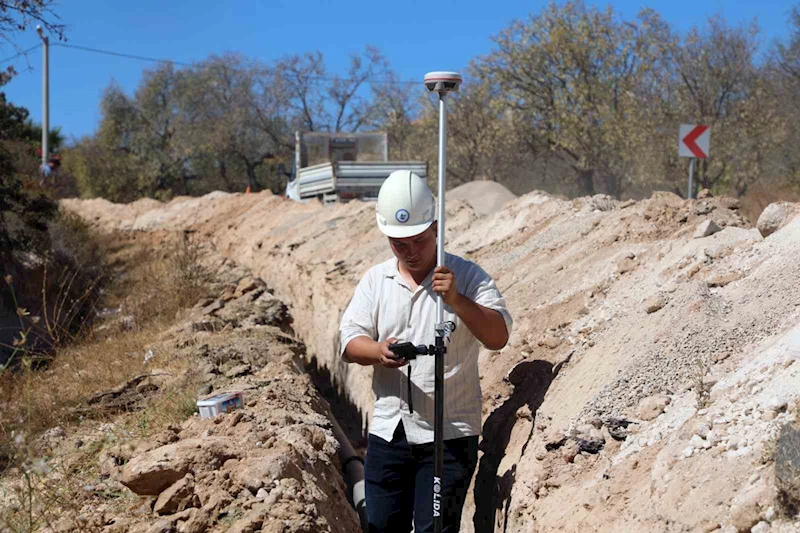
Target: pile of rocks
[{"x": 270, "y": 466}]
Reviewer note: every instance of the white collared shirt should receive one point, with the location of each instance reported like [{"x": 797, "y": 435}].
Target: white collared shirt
[{"x": 385, "y": 306}]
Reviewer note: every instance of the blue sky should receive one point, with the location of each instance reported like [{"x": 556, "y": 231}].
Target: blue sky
[{"x": 416, "y": 36}]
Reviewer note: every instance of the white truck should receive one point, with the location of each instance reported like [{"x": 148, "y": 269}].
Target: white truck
[{"x": 336, "y": 167}]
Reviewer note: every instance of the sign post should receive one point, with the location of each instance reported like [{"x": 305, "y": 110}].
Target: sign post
[{"x": 693, "y": 142}]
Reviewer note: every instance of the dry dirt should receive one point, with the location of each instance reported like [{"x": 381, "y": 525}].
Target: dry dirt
[
  {"x": 273, "y": 465},
  {"x": 485, "y": 197},
  {"x": 652, "y": 364}
]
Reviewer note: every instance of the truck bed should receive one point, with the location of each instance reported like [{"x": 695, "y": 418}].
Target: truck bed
[{"x": 349, "y": 179}]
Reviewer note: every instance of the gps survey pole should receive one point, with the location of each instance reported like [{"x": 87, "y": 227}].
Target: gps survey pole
[{"x": 441, "y": 83}]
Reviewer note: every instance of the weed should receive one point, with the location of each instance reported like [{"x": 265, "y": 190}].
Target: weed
[
  {"x": 160, "y": 286},
  {"x": 701, "y": 388},
  {"x": 770, "y": 449}
]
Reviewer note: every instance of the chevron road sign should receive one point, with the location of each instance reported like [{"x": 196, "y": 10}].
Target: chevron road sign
[{"x": 693, "y": 141}]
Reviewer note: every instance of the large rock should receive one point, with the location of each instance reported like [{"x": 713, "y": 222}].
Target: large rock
[
  {"x": 247, "y": 284},
  {"x": 750, "y": 504},
  {"x": 654, "y": 303},
  {"x": 761, "y": 527},
  {"x": 787, "y": 466},
  {"x": 152, "y": 472},
  {"x": 705, "y": 229},
  {"x": 170, "y": 524},
  {"x": 275, "y": 463},
  {"x": 774, "y": 217},
  {"x": 570, "y": 450},
  {"x": 602, "y": 202},
  {"x": 652, "y": 406},
  {"x": 177, "y": 497},
  {"x": 212, "y": 308},
  {"x": 626, "y": 265},
  {"x": 550, "y": 341},
  {"x": 198, "y": 521}
]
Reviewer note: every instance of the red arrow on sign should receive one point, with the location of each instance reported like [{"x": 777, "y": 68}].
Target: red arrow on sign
[{"x": 691, "y": 144}]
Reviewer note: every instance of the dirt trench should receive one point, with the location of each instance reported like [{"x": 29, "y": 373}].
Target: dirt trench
[
  {"x": 277, "y": 463},
  {"x": 640, "y": 388},
  {"x": 284, "y": 459}
]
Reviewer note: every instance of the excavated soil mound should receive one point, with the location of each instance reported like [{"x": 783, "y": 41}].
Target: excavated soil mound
[
  {"x": 651, "y": 367},
  {"x": 485, "y": 197}
]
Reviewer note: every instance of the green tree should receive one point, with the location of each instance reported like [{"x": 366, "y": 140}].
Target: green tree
[
  {"x": 570, "y": 74},
  {"x": 102, "y": 171},
  {"x": 24, "y": 212},
  {"x": 718, "y": 84},
  {"x": 319, "y": 101},
  {"x": 138, "y": 146},
  {"x": 12, "y": 120},
  {"x": 783, "y": 73},
  {"x": 233, "y": 118}
]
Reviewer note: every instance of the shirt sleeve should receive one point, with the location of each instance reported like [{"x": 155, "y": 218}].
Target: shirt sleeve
[
  {"x": 359, "y": 317},
  {"x": 483, "y": 291}
]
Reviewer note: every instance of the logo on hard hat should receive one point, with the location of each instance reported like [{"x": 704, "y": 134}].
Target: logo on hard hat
[{"x": 402, "y": 216}]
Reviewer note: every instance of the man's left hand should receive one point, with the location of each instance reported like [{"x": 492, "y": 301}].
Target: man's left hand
[{"x": 444, "y": 283}]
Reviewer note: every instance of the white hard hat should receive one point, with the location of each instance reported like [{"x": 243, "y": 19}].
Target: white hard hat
[{"x": 406, "y": 206}]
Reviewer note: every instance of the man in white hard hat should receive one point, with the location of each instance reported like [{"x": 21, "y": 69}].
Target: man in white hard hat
[{"x": 395, "y": 301}]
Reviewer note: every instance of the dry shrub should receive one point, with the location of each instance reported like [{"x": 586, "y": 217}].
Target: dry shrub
[
  {"x": 760, "y": 195},
  {"x": 32, "y": 400},
  {"x": 42, "y": 487},
  {"x": 57, "y": 288},
  {"x": 35, "y": 488},
  {"x": 173, "y": 405},
  {"x": 163, "y": 283},
  {"x": 37, "y": 400}
]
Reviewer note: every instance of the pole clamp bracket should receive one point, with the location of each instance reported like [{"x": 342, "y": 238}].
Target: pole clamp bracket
[{"x": 444, "y": 329}]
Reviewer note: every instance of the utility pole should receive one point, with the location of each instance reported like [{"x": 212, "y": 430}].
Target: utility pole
[{"x": 45, "y": 94}]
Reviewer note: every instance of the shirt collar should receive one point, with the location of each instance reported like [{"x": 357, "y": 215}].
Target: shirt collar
[{"x": 393, "y": 272}]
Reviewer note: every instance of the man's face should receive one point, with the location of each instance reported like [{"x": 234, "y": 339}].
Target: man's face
[{"x": 418, "y": 252}]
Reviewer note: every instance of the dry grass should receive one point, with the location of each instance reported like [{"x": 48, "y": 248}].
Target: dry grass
[
  {"x": 161, "y": 280},
  {"x": 34, "y": 401},
  {"x": 37, "y": 487},
  {"x": 42, "y": 487},
  {"x": 154, "y": 290},
  {"x": 172, "y": 406}
]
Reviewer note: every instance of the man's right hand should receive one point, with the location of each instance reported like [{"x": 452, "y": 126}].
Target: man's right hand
[
  {"x": 387, "y": 358},
  {"x": 367, "y": 352}
]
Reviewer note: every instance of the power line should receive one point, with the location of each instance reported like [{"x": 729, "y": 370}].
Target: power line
[
  {"x": 31, "y": 49},
  {"x": 120, "y": 54},
  {"x": 195, "y": 65}
]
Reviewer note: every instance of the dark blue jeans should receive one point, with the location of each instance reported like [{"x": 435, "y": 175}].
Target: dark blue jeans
[{"x": 399, "y": 483}]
